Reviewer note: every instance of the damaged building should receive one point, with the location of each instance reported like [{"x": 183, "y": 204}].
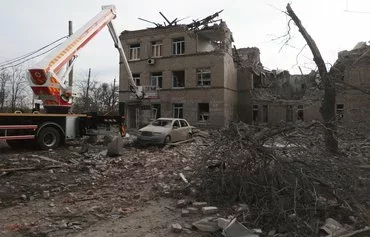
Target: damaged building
[
  {"x": 352, "y": 73},
  {"x": 194, "y": 72},
  {"x": 186, "y": 71},
  {"x": 271, "y": 97}
]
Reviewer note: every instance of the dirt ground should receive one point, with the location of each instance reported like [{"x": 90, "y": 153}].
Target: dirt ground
[{"x": 87, "y": 193}]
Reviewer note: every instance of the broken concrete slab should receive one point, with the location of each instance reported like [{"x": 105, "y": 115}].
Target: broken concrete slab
[
  {"x": 236, "y": 229},
  {"x": 181, "y": 203},
  {"x": 115, "y": 148},
  {"x": 176, "y": 227},
  {"x": 185, "y": 213},
  {"x": 199, "y": 204},
  {"x": 192, "y": 210},
  {"x": 208, "y": 224},
  {"x": 209, "y": 210}
]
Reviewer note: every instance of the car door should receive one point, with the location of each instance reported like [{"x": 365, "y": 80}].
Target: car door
[
  {"x": 176, "y": 131},
  {"x": 185, "y": 129}
]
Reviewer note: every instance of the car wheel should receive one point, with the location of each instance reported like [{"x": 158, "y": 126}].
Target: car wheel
[{"x": 167, "y": 139}]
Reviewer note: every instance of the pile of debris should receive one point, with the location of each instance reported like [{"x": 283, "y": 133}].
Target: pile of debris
[{"x": 284, "y": 179}]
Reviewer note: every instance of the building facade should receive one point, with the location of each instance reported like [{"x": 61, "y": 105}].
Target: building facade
[{"x": 185, "y": 73}]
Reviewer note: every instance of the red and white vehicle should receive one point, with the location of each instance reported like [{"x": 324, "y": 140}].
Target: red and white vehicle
[{"x": 48, "y": 83}]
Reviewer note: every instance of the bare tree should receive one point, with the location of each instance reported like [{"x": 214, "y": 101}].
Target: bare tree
[
  {"x": 4, "y": 79},
  {"x": 18, "y": 87},
  {"x": 327, "y": 109}
]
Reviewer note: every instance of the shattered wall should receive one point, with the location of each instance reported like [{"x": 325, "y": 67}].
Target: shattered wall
[{"x": 352, "y": 72}]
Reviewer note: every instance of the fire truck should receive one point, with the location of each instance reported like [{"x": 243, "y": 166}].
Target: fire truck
[{"x": 48, "y": 81}]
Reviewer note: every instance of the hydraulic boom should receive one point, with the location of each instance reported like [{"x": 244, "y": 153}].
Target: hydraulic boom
[{"x": 49, "y": 82}]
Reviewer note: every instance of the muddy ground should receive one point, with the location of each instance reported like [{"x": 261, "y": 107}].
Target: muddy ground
[{"x": 87, "y": 193}]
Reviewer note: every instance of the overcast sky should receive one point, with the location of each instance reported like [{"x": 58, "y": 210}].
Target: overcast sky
[{"x": 334, "y": 24}]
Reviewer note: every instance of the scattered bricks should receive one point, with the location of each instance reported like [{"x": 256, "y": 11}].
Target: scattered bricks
[
  {"x": 181, "y": 203},
  {"x": 185, "y": 212},
  {"x": 192, "y": 210},
  {"x": 209, "y": 210},
  {"x": 177, "y": 228},
  {"x": 200, "y": 204},
  {"x": 46, "y": 194}
]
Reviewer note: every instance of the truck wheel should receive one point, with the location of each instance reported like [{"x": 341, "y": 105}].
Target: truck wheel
[{"x": 48, "y": 138}]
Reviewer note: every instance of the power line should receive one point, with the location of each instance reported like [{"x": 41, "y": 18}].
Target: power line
[
  {"x": 38, "y": 55},
  {"x": 17, "y": 59}
]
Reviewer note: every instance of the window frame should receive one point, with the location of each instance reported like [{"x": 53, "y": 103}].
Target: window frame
[
  {"x": 157, "y": 47},
  {"x": 134, "y": 52},
  {"x": 173, "y": 80},
  {"x": 158, "y": 83},
  {"x": 136, "y": 78},
  {"x": 178, "y": 46},
  {"x": 176, "y": 108},
  {"x": 200, "y": 72},
  {"x": 202, "y": 115}
]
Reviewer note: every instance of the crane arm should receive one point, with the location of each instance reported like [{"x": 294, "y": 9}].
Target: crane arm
[{"x": 45, "y": 77}]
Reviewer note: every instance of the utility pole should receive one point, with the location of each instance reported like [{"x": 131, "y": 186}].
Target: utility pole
[
  {"x": 70, "y": 32},
  {"x": 88, "y": 84}
]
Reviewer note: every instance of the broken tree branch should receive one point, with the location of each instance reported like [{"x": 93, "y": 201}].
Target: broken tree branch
[{"x": 327, "y": 109}]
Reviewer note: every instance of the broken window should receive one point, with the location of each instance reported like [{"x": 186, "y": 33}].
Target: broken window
[
  {"x": 255, "y": 113},
  {"x": 289, "y": 113},
  {"x": 203, "y": 111},
  {"x": 300, "y": 116},
  {"x": 339, "y": 112},
  {"x": 204, "y": 77},
  {"x": 136, "y": 77},
  {"x": 257, "y": 83},
  {"x": 134, "y": 51},
  {"x": 265, "y": 113},
  {"x": 178, "y": 79},
  {"x": 156, "y": 111},
  {"x": 178, "y": 46},
  {"x": 156, "y": 80},
  {"x": 178, "y": 110},
  {"x": 156, "y": 49}
]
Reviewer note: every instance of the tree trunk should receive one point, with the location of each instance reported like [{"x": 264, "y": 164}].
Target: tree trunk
[{"x": 327, "y": 109}]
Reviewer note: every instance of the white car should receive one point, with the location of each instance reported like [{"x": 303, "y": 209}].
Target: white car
[{"x": 165, "y": 130}]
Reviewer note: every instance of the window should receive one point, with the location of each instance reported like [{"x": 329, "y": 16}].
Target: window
[
  {"x": 255, "y": 113},
  {"x": 134, "y": 51},
  {"x": 176, "y": 124},
  {"x": 203, "y": 111},
  {"x": 178, "y": 111},
  {"x": 136, "y": 77},
  {"x": 156, "y": 49},
  {"x": 289, "y": 113},
  {"x": 300, "y": 116},
  {"x": 339, "y": 112},
  {"x": 265, "y": 117},
  {"x": 178, "y": 46},
  {"x": 204, "y": 77},
  {"x": 184, "y": 123},
  {"x": 156, "y": 80},
  {"x": 178, "y": 79}
]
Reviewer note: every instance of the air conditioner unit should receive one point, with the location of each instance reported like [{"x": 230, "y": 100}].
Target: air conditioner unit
[{"x": 150, "y": 61}]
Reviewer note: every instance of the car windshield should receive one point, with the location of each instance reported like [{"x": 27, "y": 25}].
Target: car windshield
[{"x": 162, "y": 123}]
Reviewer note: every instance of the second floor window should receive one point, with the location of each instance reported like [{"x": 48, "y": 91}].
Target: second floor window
[
  {"x": 204, "y": 77},
  {"x": 136, "y": 77},
  {"x": 178, "y": 79},
  {"x": 156, "y": 80},
  {"x": 134, "y": 51},
  {"x": 156, "y": 49},
  {"x": 178, "y": 46}
]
